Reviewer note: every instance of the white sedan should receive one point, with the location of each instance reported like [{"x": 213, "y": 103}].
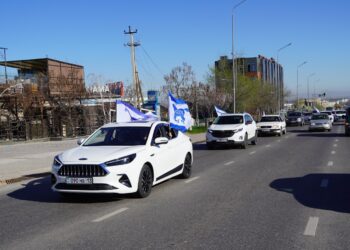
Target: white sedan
[
  {"x": 123, "y": 158},
  {"x": 271, "y": 124}
]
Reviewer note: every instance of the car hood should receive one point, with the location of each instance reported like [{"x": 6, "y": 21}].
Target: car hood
[
  {"x": 225, "y": 127},
  {"x": 98, "y": 154},
  {"x": 268, "y": 123}
]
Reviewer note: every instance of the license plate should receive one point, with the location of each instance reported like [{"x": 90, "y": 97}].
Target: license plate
[
  {"x": 73, "y": 180},
  {"x": 221, "y": 140},
  {"x": 265, "y": 129}
]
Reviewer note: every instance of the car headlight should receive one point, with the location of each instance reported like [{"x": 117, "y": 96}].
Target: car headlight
[
  {"x": 299, "y": 119},
  {"x": 238, "y": 130},
  {"x": 313, "y": 124},
  {"x": 121, "y": 160},
  {"x": 210, "y": 131},
  {"x": 56, "y": 162},
  {"x": 275, "y": 127}
]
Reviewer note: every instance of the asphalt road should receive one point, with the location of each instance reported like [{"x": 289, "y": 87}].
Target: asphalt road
[{"x": 289, "y": 192}]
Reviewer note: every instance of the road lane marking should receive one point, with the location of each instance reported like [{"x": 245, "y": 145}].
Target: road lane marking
[
  {"x": 279, "y": 140},
  {"x": 287, "y": 137},
  {"x": 192, "y": 179},
  {"x": 268, "y": 145},
  {"x": 229, "y": 163},
  {"x": 253, "y": 152},
  {"x": 330, "y": 164},
  {"x": 310, "y": 229},
  {"x": 335, "y": 145},
  {"x": 336, "y": 140},
  {"x": 324, "y": 183},
  {"x": 333, "y": 152},
  {"x": 110, "y": 214}
]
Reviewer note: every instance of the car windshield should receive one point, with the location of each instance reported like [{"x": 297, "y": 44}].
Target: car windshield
[
  {"x": 340, "y": 112},
  {"x": 320, "y": 117},
  {"x": 232, "y": 119},
  {"x": 294, "y": 114},
  {"x": 119, "y": 136},
  {"x": 328, "y": 113},
  {"x": 270, "y": 119},
  {"x": 307, "y": 114}
]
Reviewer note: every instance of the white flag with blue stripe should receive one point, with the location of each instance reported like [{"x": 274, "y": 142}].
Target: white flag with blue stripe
[
  {"x": 127, "y": 113},
  {"x": 219, "y": 111},
  {"x": 179, "y": 114}
]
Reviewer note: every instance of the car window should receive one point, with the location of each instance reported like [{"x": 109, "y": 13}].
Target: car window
[
  {"x": 270, "y": 119},
  {"x": 231, "y": 119}
]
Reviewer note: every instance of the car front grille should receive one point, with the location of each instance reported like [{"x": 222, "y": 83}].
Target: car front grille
[
  {"x": 265, "y": 126},
  {"x": 82, "y": 171},
  {"x": 222, "y": 133}
]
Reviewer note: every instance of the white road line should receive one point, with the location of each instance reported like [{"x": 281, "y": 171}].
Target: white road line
[
  {"x": 335, "y": 145},
  {"x": 192, "y": 179},
  {"x": 324, "y": 183},
  {"x": 287, "y": 137},
  {"x": 330, "y": 164},
  {"x": 268, "y": 145},
  {"x": 253, "y": 152},
  {"x": 311, "y": 226},
  {"x": 110, "y": 214},
  {"x": 336, "y": 140},
  {"x": 229, "y": 163},
  {"x": 279, "y": 140},
  {"x": 333, "y": 152}
]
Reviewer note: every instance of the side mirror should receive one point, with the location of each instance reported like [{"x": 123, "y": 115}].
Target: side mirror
[
  {"x": 210, "y": 123},
  {"x": 80, "y": 141},
  {"x": 161, "y": 140}
]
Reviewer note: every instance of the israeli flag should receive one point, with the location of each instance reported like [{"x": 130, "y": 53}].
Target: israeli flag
[
  {"x": 179, "y": 114},
  {"x": 315, "y": 110},
  {"x": 128, "y": 113},
  {"x": 219, "y": 111}
]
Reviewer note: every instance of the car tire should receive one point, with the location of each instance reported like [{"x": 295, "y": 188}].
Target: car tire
[
  {"x": 255, "y": 140},
  {"x": 187, "y": 169},
  {"x": 285, "y": 131},
  {"x": 281, "y": 132},
  {"x": 245, "y": 142},
  {"x": 145, "y": 182}
]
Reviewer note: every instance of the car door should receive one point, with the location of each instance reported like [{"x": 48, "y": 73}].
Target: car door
[
  {"x": 174, "y": 146},
  {"x": 249, "y": 126},
  {"x": 161, "y": 157}
]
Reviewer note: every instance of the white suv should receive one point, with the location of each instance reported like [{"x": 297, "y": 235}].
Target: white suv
[{"x": 232, "y": 129}]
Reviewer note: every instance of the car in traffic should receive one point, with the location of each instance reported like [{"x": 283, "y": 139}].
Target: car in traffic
[
  {"x": 232, "y": 129},
  {"x": 295, "y": 118},
  {"x": 271, "y": 124},
  {"x": 340, "y": 114},
  {"x": 347, "y": 122},
  {"x": 307, "y": 117},
  {"x": 123, "y": 158},
  {"x": 330, "y": 115},
  {"x": 320, "y": 121}
]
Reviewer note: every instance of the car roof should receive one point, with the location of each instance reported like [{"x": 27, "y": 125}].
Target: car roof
[{"x": 131, "y": 124}]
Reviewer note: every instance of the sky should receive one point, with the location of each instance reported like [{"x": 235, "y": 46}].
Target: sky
[{"x": 198, "y": 32}]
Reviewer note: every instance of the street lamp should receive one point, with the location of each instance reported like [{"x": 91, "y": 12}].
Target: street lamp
[
  {"x": 300, "y": 65},
  {"x": 308, "y": 86},
  {"x": 316, "y": 81},
  {"x": 279, "y": 94},
  {"x": 233, "y": 58}
]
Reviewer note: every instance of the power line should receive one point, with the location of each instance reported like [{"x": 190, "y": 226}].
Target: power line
[{"x": 152, "y": 61}]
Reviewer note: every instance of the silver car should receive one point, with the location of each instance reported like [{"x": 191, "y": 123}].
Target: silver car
[{"x": 320, "y": 121}]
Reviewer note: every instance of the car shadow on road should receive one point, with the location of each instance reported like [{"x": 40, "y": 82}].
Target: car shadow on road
[
  {"x": 321, "y": 134},
  {"x": 321, "y": 191},
  {"x": 39, "y": 190},
  {"x": 199, "y": 147}
]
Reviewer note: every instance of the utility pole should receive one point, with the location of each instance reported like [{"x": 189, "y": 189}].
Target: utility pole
[
  {"x": 136, "y": 81},
  {"x": 5, "y": 63}
]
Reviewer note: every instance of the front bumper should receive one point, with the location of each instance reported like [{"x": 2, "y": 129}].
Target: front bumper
[
  {"x": 121, "y": 179},
  {"x": 319, "y": 127},
  {"x": 236, "y": 139},
  {"x": 269, "y": 131}
]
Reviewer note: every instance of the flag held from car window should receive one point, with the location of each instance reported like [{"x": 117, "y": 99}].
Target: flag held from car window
[
  {"x": 127, "y": 113},
  {"x": 179, "y": 114},
  {"x": 219, "y": 112}
]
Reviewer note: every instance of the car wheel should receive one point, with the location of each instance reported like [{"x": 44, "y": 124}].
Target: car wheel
[
  {"x": 255, "y": 140},
  {"x": 281, "y": 132},
  {"x": 245, "y": 142},
  {"x": 285, "y": 131},
  {"x": 187, "y": 170},
  {"x": 145, "y": 182}
]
